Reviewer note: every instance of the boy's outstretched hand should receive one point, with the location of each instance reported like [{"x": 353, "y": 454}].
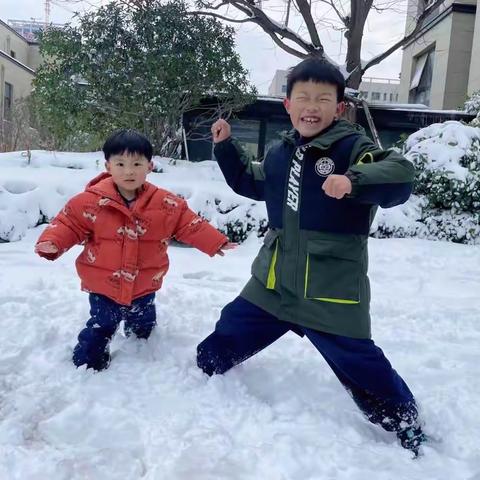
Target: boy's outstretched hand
[
  {"x": 220, "y": 131},
  {"x": 226, "y": 246},
  {"x": 45, "y": 247},
  {"x": 337, "y": 186}
]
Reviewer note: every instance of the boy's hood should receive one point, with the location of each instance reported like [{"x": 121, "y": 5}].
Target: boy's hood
[
  {"x": 336, "y": 131},
  {"x": 98, "y": 179},
  {"x": 103, "y": 185}
]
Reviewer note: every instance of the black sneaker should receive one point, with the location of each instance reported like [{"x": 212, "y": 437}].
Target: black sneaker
[
  {"x": 98, "y": 364},
  {"x": 411, "y": 438},
  {"x": 102, "y": 363}
]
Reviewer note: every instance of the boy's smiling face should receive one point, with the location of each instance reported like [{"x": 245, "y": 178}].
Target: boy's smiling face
[
  {"x": 313, "y": 107},
  {"x": 129, "y": 172}
]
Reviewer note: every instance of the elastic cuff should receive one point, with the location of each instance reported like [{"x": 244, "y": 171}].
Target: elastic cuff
[{"x": 353, "y": 177}]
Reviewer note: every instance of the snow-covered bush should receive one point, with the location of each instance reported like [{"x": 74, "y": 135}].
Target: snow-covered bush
[
  {"x": 472, "y": 105},
  {"x": 446, "y": 200},
  {"x": 238, "y": 230},
  {"x": 233, "y": 215},
  {"x": 447, "y": 159}
]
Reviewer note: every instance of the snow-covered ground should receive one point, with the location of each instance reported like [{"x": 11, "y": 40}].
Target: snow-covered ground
[{"x": 282, "y": 415}]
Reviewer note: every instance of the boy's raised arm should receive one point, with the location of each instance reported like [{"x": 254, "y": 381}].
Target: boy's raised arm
[{"x": 243, "y": 175}]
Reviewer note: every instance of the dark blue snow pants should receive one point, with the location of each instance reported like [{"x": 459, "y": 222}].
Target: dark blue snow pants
[
  {"x": 244, "y": 329},
  {"x": 105, "y": 316}
]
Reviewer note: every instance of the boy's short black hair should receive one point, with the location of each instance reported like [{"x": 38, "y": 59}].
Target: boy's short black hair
[
  {"x": 319, "y": 71},
  {"x": 127, "y": 140}
]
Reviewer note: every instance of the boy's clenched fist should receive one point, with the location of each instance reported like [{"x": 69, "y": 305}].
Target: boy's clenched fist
[{"x": 221, "y": 131}]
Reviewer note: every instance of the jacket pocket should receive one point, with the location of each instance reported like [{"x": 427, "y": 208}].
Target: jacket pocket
[
  {"x": 263, "y": 267},
  {"x": 333, "y": 272}
]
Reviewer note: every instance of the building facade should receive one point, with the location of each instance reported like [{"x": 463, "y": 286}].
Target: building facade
[
  {"x": 440, "y": 65},
  {"x": 19, "y": 58},
  {"x": 372, "y": 89}
]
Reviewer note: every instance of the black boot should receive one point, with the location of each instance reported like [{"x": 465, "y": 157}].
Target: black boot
[
  {"x": 100, "y": 363},
  {"x": 411, "y": 438}
]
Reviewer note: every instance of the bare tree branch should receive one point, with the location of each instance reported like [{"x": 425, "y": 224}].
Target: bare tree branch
[
  {"x": 293, "y": 42},
  {"x": 220, "y": 5},
  {"x": 341, "y": 16},
  {"x": 217, "y": 15},
  {"x": 305, "y": 10},
  {"x": 288, "y": 13},
  {"x": 259, "y": 17},
  {"x": 286, "y": 47}
]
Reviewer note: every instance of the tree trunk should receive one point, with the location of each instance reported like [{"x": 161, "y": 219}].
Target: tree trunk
[{"x": 356, "y": 25}]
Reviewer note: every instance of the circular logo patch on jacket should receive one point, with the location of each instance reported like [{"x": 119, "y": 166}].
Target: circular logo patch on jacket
[{"x": 324, "y": 166}]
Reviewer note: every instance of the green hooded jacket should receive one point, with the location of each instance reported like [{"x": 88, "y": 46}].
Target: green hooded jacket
[{"x": 312, "y": 267}]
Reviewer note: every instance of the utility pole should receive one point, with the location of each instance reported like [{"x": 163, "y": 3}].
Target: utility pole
[{"x": 47, "y": 13}]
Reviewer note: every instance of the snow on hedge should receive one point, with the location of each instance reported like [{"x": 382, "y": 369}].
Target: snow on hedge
[
  {"x": 472, "y": 105},
  {"x": 446, "y": 200}
]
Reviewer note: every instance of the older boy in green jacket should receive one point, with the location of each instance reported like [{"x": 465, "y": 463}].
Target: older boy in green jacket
[{"x": 322, "y": 184}]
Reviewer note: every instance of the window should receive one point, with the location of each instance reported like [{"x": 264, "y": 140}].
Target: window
[
  {"x": 12, "y": 54},
  {"x": 273, "y": 129},
  {"x": 375, "y": 96},
  {"x": 247, "y": 132},
  {"x": 8, "y": 101},
  {"x": 363, "y": 94},
  {"x": 284, "y": 88},
  {"x": 384, "y": 97},
  {"x": 421, "y": 84},
  {"x": 417, "y": 74},
  {"x": 431, "y": 10},
  {"x": 391, "y": 97}
]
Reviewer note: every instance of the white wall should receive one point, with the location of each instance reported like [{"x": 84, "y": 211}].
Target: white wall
[{"x": 474, "y": 78}]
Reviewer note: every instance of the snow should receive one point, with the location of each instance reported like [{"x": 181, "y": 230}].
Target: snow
[
  {"x": 472, "y": 105},
  {"x": 52, "y": 178},
  {"x": 403, "y": 217},
  {"x": 445, "y": 144},
  {"x": 282, "y": 415}
]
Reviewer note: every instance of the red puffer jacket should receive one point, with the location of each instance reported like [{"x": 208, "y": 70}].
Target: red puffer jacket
[{"x": 125, "y": 253}]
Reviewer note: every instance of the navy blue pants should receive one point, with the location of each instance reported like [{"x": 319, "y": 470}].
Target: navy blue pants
[
  {"x": 244, "y": 329},
  {"x": 105, "y": 316}
]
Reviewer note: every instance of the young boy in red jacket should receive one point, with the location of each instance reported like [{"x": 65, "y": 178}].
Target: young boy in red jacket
[{"x": 125, "y": 224}]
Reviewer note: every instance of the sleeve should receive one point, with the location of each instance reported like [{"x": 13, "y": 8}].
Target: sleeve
[
  {"x": 70, "y": 227},
  {"x": 379, "y": 177},
  {"x": 243, "y": 175},
  {"x": 196, "y": 231}
]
